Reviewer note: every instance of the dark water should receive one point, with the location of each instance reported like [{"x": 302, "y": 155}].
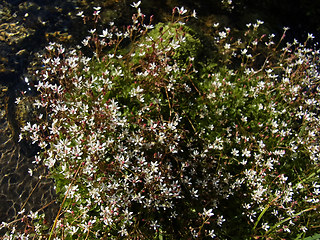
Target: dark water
[{"x": 301, "y": 16}]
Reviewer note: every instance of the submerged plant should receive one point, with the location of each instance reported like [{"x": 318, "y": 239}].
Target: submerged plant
[{"x": 148, "y": 139}]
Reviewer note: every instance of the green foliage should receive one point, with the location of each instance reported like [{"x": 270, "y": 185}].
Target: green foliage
[{"x": 313, "y": 237}]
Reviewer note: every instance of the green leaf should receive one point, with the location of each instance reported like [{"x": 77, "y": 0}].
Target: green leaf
[{"x": 314, "y": 237}]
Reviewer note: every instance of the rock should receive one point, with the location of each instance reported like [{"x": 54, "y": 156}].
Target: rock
[{"x": 12, "y": 33}]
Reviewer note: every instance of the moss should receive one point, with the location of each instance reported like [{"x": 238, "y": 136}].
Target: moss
[{"x": 165, "y": 35}]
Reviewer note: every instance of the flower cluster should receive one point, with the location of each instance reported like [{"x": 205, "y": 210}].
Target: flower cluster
[{"x": 147, "y": 139}]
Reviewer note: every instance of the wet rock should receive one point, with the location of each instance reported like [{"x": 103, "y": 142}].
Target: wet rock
[
  {"x": 28, "y": 7},
  {"x": 25, "y": 111},
  {"x": 5, "y": 12},
  {"x": 12, "y": 33}
]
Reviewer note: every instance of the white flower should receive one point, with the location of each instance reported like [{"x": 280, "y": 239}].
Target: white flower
[
  {"x": 135, "y": 5},
  {"x": 18, "y": 100},
  {"x": 22, "y": 211},
  {"x": 211, "y": 233},
  {"x": 220, "y": 220},
  {"x": 194, "y": 14},
  {"x": 104, "y": 33},
  {"x": 286, "y": 229},
  {"x": 223, "y": 34},
  {"x": 154, "y": 224},
  {"x": 259, "y": 22},
  {"x": 310, "y": 36},
  {"x": 72, "y": 191},
  {"x": 303, "y": 229},
  {"x": 33, "y": 215},
  {"x": 96, "y": 13},
  {"x": 244, "y": 51},
  {"x": 92, "y": 31},
  {"x": 235, "y": 152},
  {"x": 139, "y": 14},
  {"x": 207, "y": 213},
  {"x": 181, "y": 10},
  {"x": 148, "y": 27},
  {"x": 246, "y": 153},
  {"x": 80, "y": 14},
  {"x": 283, "y": 178},
  {"x": 215, "y": 25},
  {"x": 265, "y": 226}
]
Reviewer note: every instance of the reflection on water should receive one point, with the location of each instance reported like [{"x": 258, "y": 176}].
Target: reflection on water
[{"x": 16, "y": 185}]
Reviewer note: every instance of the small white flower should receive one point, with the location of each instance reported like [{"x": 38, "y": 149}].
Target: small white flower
[
  {"x": 33, "y": 215},
  {"x": 244, "y": 119},
  {"x": 259, "y": 22},
  {"x": 235, "y": 152},
  {"x": 80, "y": 14},
  {"x": 265, "y": 226},
  {"x": 220, "y": 220},
  {"x": 303, "y": 229},
  {"x": 211, "y": 233},
  {"x": 18, "y": 100},
  {"x": 154, "y": 224},
  {"x": 283, "y": 178},
  {"x": 244, "y": 51},
  {"x": 194, "y": 14},
  {"x": 148, "y": 27},
  {"x": 286, "y": 229},
  {"x": 85, "y": 42},
  {"x": 246, "y": 153},
  {"x": 92, "y": 31},
  {"x": 181, "y": 10},
  {"x": 22, "y": 211},
  {"x": 135, "y": 5},
  {"x": 139, "y": 14},
  {"x": 208, "y": 213},
  {"x": 104, "y": 33},
  {"x": 223, "y": 34},
  {"x": 310, "y": 36},
  {"x": 96, "y": 13}
]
